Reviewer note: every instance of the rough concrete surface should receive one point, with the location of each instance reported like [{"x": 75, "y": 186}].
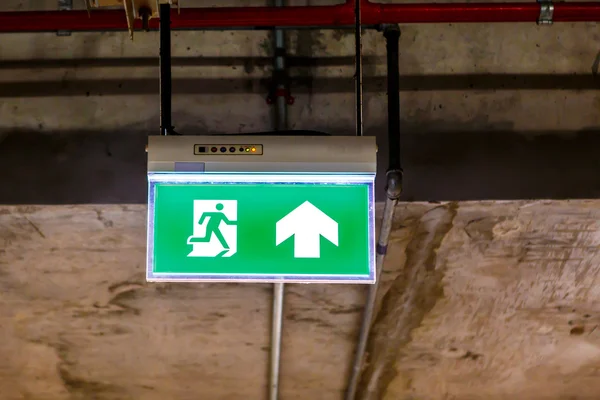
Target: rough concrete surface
[{"x": 493, "y": 300}]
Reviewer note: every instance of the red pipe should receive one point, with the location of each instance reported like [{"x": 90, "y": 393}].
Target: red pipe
[
  {"x": 189, "y": 18},
  {"x": 453, "y": 12},
  {"x": 317, "y": 16},
  {"x": 477, "y": 12}
]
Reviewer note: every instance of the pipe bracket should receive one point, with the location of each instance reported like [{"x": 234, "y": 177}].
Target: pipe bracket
[
  {"x": 381, "y": 249},
  {"x": 289, "y": 99},
  {"x": 546, "y": 12},
  {"x": 64, "y": 5},
  {"x": 394, "y": 184}
]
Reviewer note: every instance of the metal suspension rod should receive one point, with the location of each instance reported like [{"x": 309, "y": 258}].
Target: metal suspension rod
[
  {"x": 281, "y": 121},
  {"x": 358, "y": 67},
  {"x": 394, "y": 189},
  {"x": 166, "y": 127},
  {"x": 392, "y": 39},
  {"x": 277, "y": 322}
]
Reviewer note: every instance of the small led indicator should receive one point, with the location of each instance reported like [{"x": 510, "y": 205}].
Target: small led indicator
[
  {"x": 254, "y": 149},
  {"x": 247, "y": 149}
]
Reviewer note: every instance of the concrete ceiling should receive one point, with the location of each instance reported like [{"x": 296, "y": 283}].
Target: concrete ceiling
[{"x": 479, "y": 300}]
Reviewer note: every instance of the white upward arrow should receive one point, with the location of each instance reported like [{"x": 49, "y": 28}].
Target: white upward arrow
[{"x": 306, "y": 223}]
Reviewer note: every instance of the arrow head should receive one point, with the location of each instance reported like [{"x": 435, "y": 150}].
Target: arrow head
[{"x": 307, "y": 223}]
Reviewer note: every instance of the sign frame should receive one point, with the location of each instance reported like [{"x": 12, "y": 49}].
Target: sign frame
[{"x": 229, "y": 178}]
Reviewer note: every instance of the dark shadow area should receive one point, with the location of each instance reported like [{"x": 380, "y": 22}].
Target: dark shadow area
[
  {"x": 100, "y": 167},
  {"x": 299, "y": 85},
  {"x": 73, "y": 168},
  {"x": 204, "y": 61}
]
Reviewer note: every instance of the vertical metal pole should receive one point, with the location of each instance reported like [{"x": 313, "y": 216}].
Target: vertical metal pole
[
  {"x": 281, "y": 110},
  {"x": 278, "y": 288},
  {"x": 384, "y": 234},
  {"x": 392, "y": 38},
  {"x": 166, "y": 127},
  {"x": 278, "y": 292},
  {"x": 394, "y": 189},
  {"x": 358, "y": 68}
]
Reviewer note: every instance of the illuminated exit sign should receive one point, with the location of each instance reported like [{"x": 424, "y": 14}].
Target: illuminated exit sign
[{"x": 261, "y": 227}]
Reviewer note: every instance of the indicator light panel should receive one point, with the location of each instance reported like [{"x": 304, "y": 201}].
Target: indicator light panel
[{"x": 228, "y": 149}]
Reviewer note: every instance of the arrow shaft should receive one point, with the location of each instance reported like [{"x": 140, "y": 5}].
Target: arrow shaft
[{"x": 307, "y": 244}]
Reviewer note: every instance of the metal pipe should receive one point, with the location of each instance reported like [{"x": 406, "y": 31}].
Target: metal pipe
[
  {"x": 310, "y": 16},
  {"x": 476, "y": 12},
  {"x": 453, "y": 12},
  {"x": 394, "y": 189},
  {"x": 358, "y": 67},
  {"x": 281, "y": 101},
  {"x": 166, "y": 127},
  {"x": 281, "y": 122},
  {"x": 384, "y": 234},
  {"x": 392, "y": 40},
  {"x": 188, "y": 18},
  {"x": 278, "y": 292}
]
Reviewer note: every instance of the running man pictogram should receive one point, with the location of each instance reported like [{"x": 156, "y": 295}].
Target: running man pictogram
[{"x": 214, "y": 228}]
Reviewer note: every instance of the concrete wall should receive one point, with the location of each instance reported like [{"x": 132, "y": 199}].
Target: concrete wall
[
  {"x": 479, "y": 300},
  {"x": 489, "y": 111}
]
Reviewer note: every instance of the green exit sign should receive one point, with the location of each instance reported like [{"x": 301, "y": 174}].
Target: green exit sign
[{"x": 261, "y": 227}]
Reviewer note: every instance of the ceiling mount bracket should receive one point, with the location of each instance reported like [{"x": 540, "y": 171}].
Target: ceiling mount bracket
[
  {"x": 546, "y": 12},
  {"x": 143, "y": 10},
  {"x": 64, "y": 5}
]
